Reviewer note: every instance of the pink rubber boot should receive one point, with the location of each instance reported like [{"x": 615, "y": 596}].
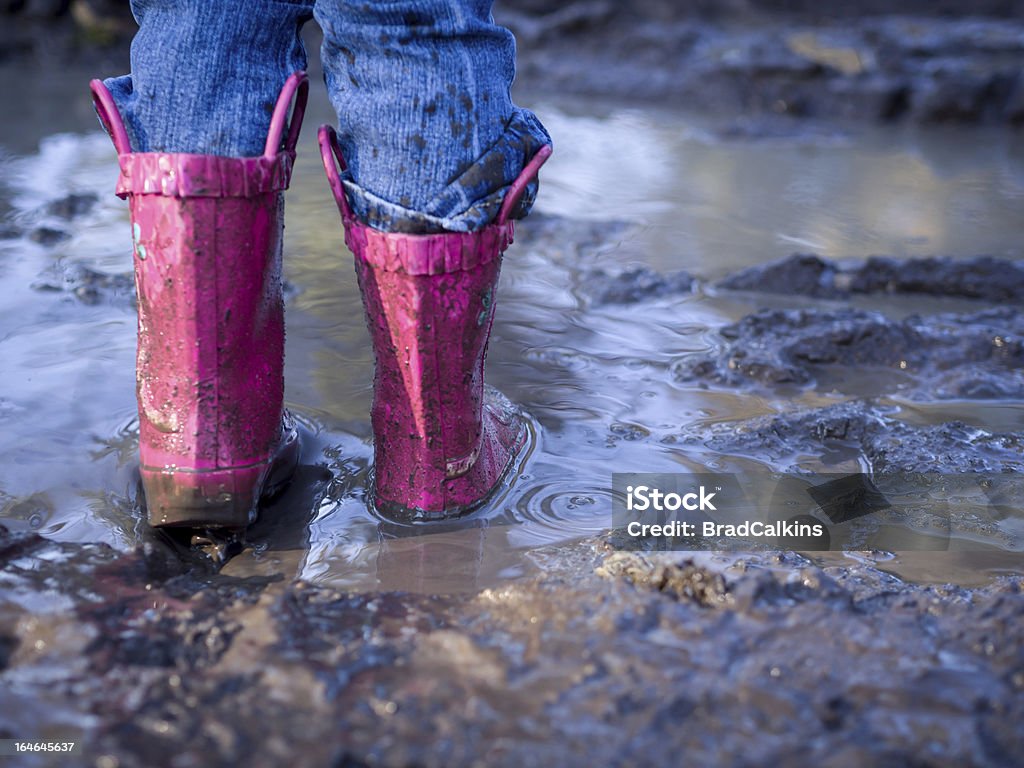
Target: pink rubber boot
[
  {"x": 442, "y": 441},
  {"x": 213, "y": 433}
]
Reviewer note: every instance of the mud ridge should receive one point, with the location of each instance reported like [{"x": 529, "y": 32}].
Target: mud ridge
[
  {"x": 977, "y": 355},
  {"x": 650, "y": 655},
  {"x": 982, "y": 277}
]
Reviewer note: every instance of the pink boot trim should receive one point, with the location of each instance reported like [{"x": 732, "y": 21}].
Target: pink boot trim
[
  {"x": 443, "y": 442},
  {"x": 213, "y": 434}
]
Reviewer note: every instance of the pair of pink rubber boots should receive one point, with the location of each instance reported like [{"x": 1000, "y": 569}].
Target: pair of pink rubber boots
[{"x": 214, "y": 437}]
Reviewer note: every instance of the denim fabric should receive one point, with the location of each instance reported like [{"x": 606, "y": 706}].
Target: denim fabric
[
  {"x": 421, "y": 87},
  {"x": 206, "y": 75}
]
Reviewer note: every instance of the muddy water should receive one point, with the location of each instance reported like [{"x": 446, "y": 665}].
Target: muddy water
[{"x": 596, "y": 381}]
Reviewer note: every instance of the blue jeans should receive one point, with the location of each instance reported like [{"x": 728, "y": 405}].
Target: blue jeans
[{"x": 421, "y": 88}]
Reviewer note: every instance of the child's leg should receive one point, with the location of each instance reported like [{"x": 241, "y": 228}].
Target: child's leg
[
  {"x": 433, "y": 143},
  {"x": 426, "y": 120},
  {"x": 206, "y": 212}
]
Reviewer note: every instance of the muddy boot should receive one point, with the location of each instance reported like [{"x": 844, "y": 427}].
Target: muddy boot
[
  {"x": 213, "y": 434},
  {"x": 443, "y": 442}
]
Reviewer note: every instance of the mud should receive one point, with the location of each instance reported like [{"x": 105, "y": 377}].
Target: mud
[
  {"x": 93, "y": 287},
  {"x": 632, "y": 285},
  {"x": 48, "y": 236},
  {"x": 48, "y": 226},
  {"x": 605, "y": 656},
  {"x": 72, "y": 206},
  {"x": 982, "y": 277},
  {"x": 765, "y": 59},
  {"x": 88, "y": 285},
  {"x": 869, "y": 432},
  {"x": 976, "y": 355},
  {"x": 571, "y": 241},
  {"x": 582, "y": 246}
]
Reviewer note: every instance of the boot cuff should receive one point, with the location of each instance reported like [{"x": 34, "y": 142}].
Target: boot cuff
[
  {"x": 184, "y": 175},
  {"x": 432, "y": 254}
]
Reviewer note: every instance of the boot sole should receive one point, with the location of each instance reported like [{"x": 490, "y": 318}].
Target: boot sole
[{"x": 218, "y": 498}]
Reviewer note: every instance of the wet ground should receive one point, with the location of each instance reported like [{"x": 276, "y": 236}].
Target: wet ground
[
  {"x": 651, "y": 318},
  {"x": 626, "y": 659},
  {"x": 894, "y": 62}
]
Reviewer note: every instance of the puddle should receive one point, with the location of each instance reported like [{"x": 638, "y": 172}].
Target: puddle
[{"x": 597, "y": 380}]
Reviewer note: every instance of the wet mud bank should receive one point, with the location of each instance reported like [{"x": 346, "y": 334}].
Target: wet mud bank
[
  {"x": 760, "y": 660},
  {"x": 980, "y": 277},
  {"x": 871, "y": 433},
  {"x": 829, "y": 345},
  {"x": 913, "y": 62},
  {"x": 975, "y": 355},
  {"x": 879, "y": 390}
]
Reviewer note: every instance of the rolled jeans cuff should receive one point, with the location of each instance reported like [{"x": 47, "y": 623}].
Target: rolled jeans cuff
[{"x": 473, "y": 198}]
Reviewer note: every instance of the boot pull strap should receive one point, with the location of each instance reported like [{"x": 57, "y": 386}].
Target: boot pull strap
[
  {"x": 297, "y": 87},
  {"x": 331, "y": 152},
  {"x": 516, "y": 189},
  {"x": 110, "y": 117}
]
